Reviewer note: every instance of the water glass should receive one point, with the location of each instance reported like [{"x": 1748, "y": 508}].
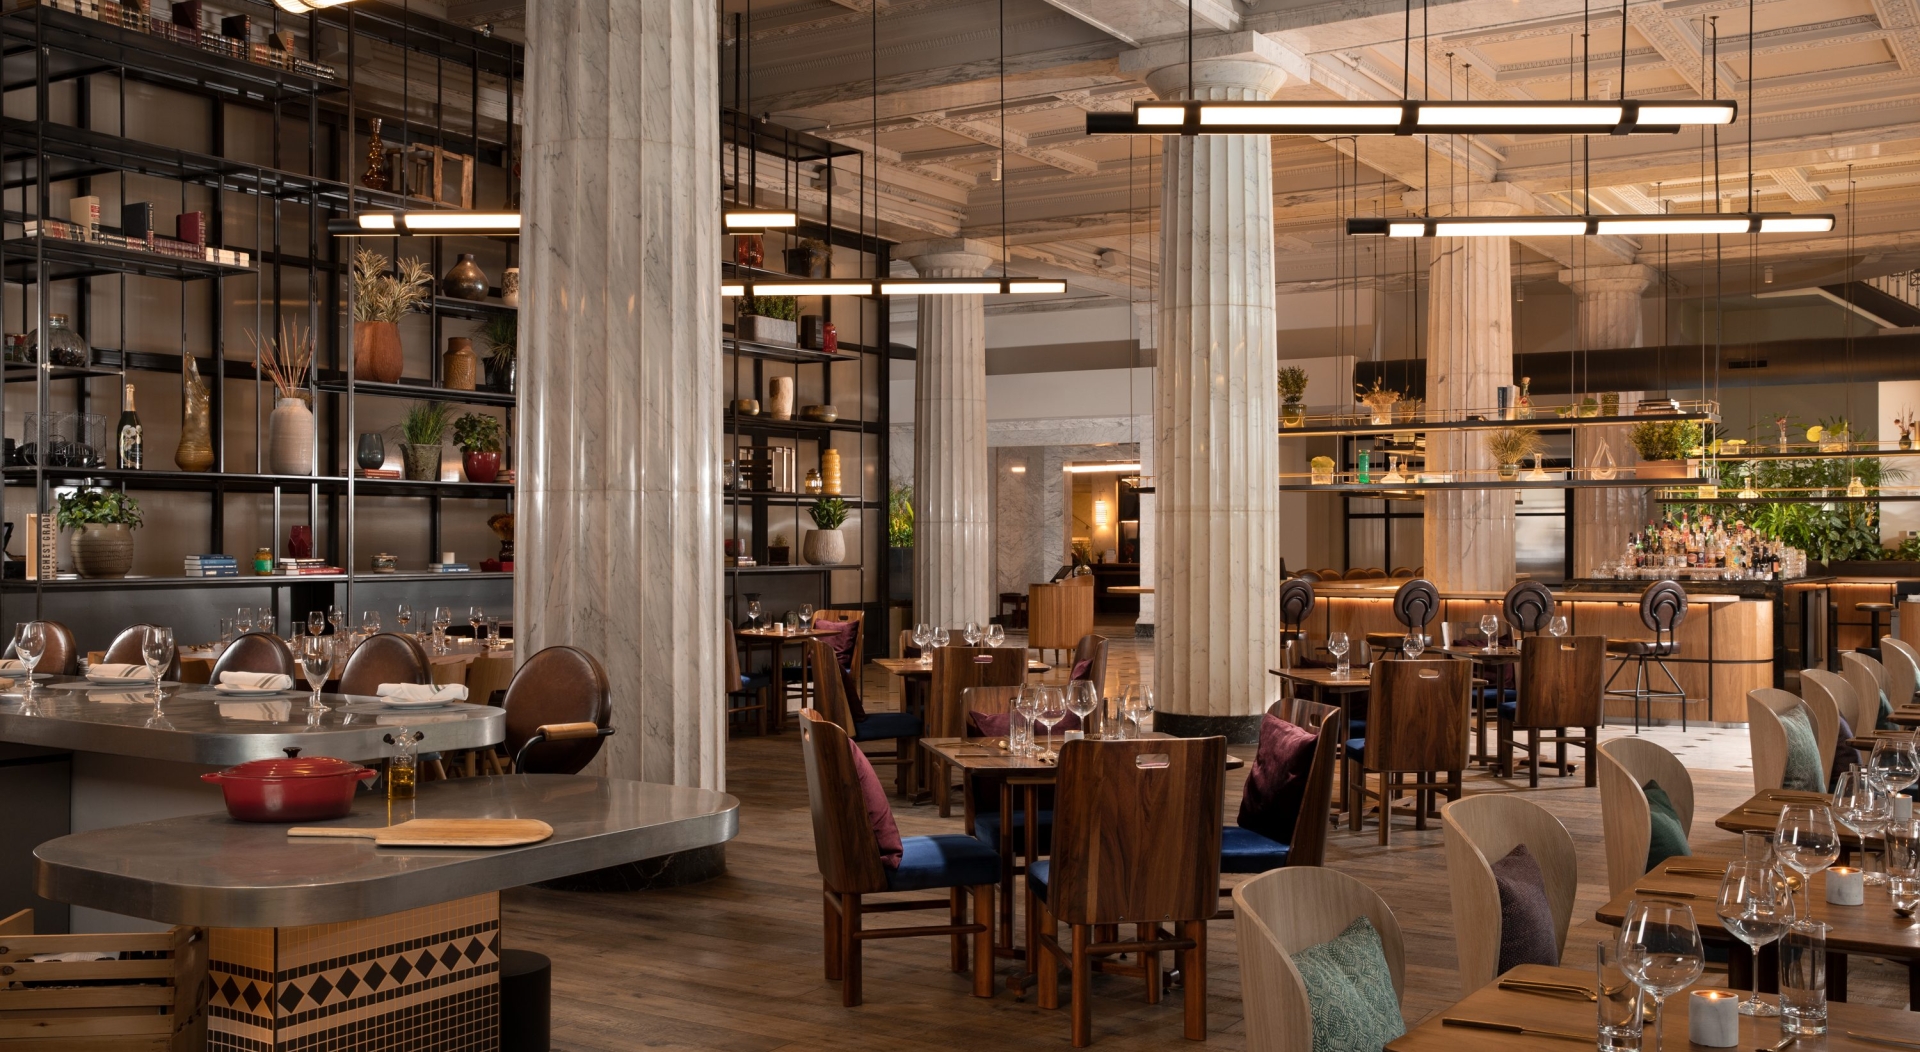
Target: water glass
[
  {"x": 996, "y": 635},
  {"x": 1558, "y": 626},
  {"x": 1019, "y": 733},
  {"x": 1905, "y": 893},
  {"x": 1903, "y": 849},
  {"x": 316, "y": 662},
  {"x": 1490, "y": 627},
  {"x": 1660, "y": 950},
  {"x": 1026, "y": 707},
  {"x": 1618, "y": 997},
  {"x": 226, "y": 632},
  {"x": 1082, "y": 700},
  {"x": 973, "y": 633},
  {"x": 1865, "y": 808},
  {"x": 1137, "y": 706},
  {"x": 1803, "y": 979},
  {"x": 157, "y": 650},
  {"x": 1894, "y": 765},
  {"x": 493, "y": 633},
  {"x": 1806, "y": 841},
  {"x": 1756, "y": 845},
  {"x": 1756, "y": 907},
  {"x": 1337, "y": 646}
]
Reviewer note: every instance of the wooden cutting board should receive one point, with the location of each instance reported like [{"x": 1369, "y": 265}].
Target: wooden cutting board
[{"x": 441, "y": 832}]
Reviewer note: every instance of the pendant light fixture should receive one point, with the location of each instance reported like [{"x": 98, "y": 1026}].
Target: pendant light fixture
[
  {"x": 392, "y": 224},
  {"x": 1577, "y": 225},
  {"x": 1409, "y": 117},
  {"x": 306, "y": 7}
]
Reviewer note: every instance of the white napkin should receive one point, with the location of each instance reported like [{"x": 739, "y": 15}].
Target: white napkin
[
  {"x": 423, "y": 692},
  {"x": 12, "y": 665},
  {"x": 105, "y": 671},
  {"x": 256, "y": 680}
]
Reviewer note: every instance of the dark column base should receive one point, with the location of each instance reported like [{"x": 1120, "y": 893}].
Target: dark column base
[
  {"x": 1143, "y": 630},
  {"x": 1238, "y": 730},
  {"x": 667, "y": 871}
]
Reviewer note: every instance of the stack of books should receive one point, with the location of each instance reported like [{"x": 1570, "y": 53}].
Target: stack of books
[
  {"x": 449, "y": 568},
  {"x": 377, "y": 473},
  {"x": 305, "y": 568},
  {"x": 212, "y": 565}
]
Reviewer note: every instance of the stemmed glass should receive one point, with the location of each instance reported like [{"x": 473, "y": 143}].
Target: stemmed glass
[
  {"x": 157, "y": 650},
  {"x": 475, "y": 618},
  {"x": 1489, "y": 627},
  {"x": 996, "y": 635},
  {"x": 1027, "y": 704},
  {"x": 30, "y": 641},
  {"x": 370, "y": 622},
  {"x": 316, "y": 660},
  {"x": 264, "y": 619},
  {"x": 1806, "y": 841},
  {"x": 1661, "y": 952},
  {"x": 1413, "y": 646},
  {"x": 1893, "y": 765},
  {"x": 337, "y": 618},
  {"x": 316, "y": 622},
  {"x": 1337, "y": 646},
  {"x": 972, "y": 633},
  {"x": 404, "y": 616},
  {"x": 1866, "y": 809},
  {"x": 1756, "y": 906},
  {"x": 1082, "y": 699},
  {"x": 753, "y": 612},
  {"x": 442, "y": 620},
  {"x": 1137, "y": 706},
  {"x": 1053, "y": 709},
  {"x": 806, "y": 615},
  {"x": 923, "y": 639},
  {"x": 941, "y": 637},
  {"x": 1558, "y": 626},
  {"x": 243, "y": 620}
]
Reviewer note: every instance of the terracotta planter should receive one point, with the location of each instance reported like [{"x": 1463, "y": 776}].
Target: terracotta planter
[
  {"x": 459, "y": 367},
  {"x": 482, "y": 467},
  {"x": 421, "y": 463},
  {"x": 824, "y": 547},
  {"x": 290, "y": 438},
  {"x": 103, "y": 550},
  {"x": 376, "y": 351}
]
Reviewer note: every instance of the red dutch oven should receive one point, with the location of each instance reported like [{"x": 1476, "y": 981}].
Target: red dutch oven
[{"x": 296, "y": 789}]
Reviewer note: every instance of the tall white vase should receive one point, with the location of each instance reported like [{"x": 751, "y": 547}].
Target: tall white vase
[{"x": 290, "y": 438}]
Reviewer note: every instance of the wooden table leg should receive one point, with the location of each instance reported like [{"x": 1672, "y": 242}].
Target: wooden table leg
[{"x": 1006, "y": 865}]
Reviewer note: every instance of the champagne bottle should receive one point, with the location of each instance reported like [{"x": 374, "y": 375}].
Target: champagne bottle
[{"x": 128, "y": 434}]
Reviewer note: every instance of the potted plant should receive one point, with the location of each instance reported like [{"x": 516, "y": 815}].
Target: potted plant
[
  {"x": 381, "y": 297},
  {"x": 499, "y": 339},
  {"x": 478, "y": 437},
  {"x": 1379, "y": 400},
  {"x": 807, "y": 258},
  {"x": 420, "y": 432},
  {"x": 1663, "y": 445},
  {"x": 1523, "y": 402},
  {"x": 900, "y": 541},
  {"x": 826, "y": 546},
  {"x": 769, "y": 319},
  {"x": 1509, "y": 446},
  {"x": 1906, "y": 422},
  {"x": 1832, "y": 436},
  {"x": 1409, "y": 410},
  {"x": 1322, "y": 468},
  {"x": 1293, "y": 385},
  {"x": 779, "y": 551},
  {"x": 1610, "y": 404},
  {"x": 102, "y": 522},
  {"x": 290, "y": 427}
]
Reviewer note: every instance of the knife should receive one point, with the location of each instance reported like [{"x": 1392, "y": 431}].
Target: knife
[
  {"x": 1876, "y": 1039},
  {"x": 1525, "y": 986},
  {"x": 1667, "y": 894},
  {"x": 1513, "y": 1028}
]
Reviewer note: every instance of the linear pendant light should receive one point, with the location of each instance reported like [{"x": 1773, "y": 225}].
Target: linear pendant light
[
  {"x": 391, "y": 224},
  {"x": 302, "y": 7},
  {"x": 1576, "y": 226},
  {"x": 897, "y": 287},
  {"x": 1412, "y": 117}
]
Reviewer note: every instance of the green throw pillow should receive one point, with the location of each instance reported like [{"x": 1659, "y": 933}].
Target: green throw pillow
[
  {"x": 1350, "y": 991},
  {"x": 1884, "y": 721},
  {"x": 1666, "y": 836},
  {"x": 1803, "y": 753}
]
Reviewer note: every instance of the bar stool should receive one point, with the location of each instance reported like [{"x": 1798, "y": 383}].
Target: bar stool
[
  {"x": 1415, "y": 604},
  {"x": 1527, "y": 606},
  {"x": 1296, "y": 604},
  {"x": 1873, "y": 610},
  {"x": 1663, "y": 606}
]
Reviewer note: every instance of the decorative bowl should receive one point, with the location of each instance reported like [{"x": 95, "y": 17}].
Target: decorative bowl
[{"x": 824, "y": 414}]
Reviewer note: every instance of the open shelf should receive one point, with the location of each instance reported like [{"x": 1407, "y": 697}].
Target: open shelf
[
  {"x": 747, "y": 570},
  {"x": 1324, "y": 421},
  {"x": 81, "y": 45},
  {"x": 422, "y": 390},
  {"x": 792, "y": 499},
  {"x": 245, "y": 482},
  {"x": 475, "y": 310},
  {"x": 762, "y": 425},
  {"x": 67, "y": 260},
  {"x": 244, "y": 580}
]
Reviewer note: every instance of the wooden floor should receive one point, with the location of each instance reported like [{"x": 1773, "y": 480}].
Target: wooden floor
[{"x": 735, "y": 964}]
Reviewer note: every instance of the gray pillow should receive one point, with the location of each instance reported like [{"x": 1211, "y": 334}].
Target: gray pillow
[
  {"x": 1665, "y": 836},
  {"x": 1350, "y": 991},
  {"x": 1526, "y": 918},
  {"x": 1803, "y": 753}
]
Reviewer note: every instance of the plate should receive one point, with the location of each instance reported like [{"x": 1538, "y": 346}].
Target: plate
[{"x": 249, "y": 692}]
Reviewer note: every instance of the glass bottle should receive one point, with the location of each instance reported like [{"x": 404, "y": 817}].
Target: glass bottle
[
  {"x": 128, "y": 435},
  {"x": 63, "y": 345},
  {"x": 1363, "y": 473}
]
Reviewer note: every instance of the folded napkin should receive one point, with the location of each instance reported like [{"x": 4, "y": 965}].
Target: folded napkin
[
  {"x": 105, "y": 671},
  {"x": 423, "y": 692},
  {"x": 256, "y": 680},
  {"x": 12, "y": 665}
]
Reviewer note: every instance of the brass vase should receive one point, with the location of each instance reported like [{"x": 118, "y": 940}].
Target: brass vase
[
  {"x": 376, "y": 177},
  {"x": 195, "y": 452},
  {"x": 459, "y": 367}
]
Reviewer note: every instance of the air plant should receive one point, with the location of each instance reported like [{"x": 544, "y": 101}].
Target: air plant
[
  {"x": 286, "y": 360},
  {"x": 379, "y": 294},
  {"x": 1511, "y": 445}
]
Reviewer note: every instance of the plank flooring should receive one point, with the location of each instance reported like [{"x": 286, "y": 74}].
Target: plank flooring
[{"x": 735, "y": 964}]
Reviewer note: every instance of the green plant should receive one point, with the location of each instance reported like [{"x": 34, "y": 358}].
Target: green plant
[
  {"x": 1293, "y": 383},
  {"x": 1827, "y": 532},
  {"x": 97, "y": 507},
  {"x": 1082, "y": 552},
  {"x": 1610, "y": 404},
  {"x": 900, "y": 516},
  {"x": 381, "y": 295},
  {"x": 779, "y": 540},
  {"x": 1909, "y": 550},
  {"x": 500, "y": 337},
  {"x": 476, "y": 433},
  {"x": 425, "y": 424},
  {"x": 1511, "y": 445},
  {"x": 1664, "y": 439},
  {"x": 828, "y": 512},
  {"x": 784, "y": 308}
]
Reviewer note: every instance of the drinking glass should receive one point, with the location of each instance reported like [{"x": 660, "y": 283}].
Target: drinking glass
[
  {"x": 1558, "y": 626},
  {"x": 29, "y": 642},
  {"x": 1490, "y": 627},
  {"x": 1337, "y": 646},
  {"x": 243, "y": 620},
  {"x": 316, "y": 622},
  {"x": 1893, "y": 764},
  {"x": 1905, "y": 893},
  {"x": 753, "y": 613},
  {"x": 1053, "y": 709},
  {"x": 1413, "y": 646},
  {"x": 402, "y": 766},
  {"x": 1806, "y": 841},
  {"x": 263, "y": 619},
  {"x": 1865, "y": 809},
  {"x": 1027, "y": 707},
  {"x": 972, "y": 633},
  {"x": 442, "y": 620},
  {"x": 1756, "y": 906},
  {"x": 996, "y": 635},
  {"x": 1803, "y": 978},
  {"x": 1137, "y": 706},
  {"x": 941, "y": 637},
  {"x": 475, "y": 618},
  {"x": 226, "y": 632},
  {"x": 1082, "y": 699},
  {"x": 316, "y": 660},
  {"x": 923, "y": 639},
  {"x": 1903, "y": 849},
  {"x": 1756, "y": 845},
  {"x": 493, "y": 633},
  {"x": 1661, "y": 952},
  {"x": 1619, "y": 1001},
  {"x": 370, "y": 622},
  {"x": 157, "y": 650},
  {"x": 404, "y": 616},
  {"x": 806, "y": 615}
]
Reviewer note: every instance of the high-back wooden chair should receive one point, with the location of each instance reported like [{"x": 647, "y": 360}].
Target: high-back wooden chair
[
  {"x": 1839, "y": 691},
  {"x": 1416, "y": 725},
  {"x": 1870, "y": 680},
  {"x": 1826, "y": 696},
  {"x": 1902, "y": 663},
  {"x": 1480, "y": 831},
  {"x": 956, "y": 670},
  {"x": 981, "y": 794},
  {"x": 1278, "y": 914},
  {"x": 848, "y": 853},
  {"x": 753, "y": 696},
  {"x": 902, "y": 728},
  {"x": 128, "y": 648},
  {"x": 384, "y": 658},
  {"x": 1136, "y": 841},
  {"x": 1626, "y": 765},
  {"x": 1245, "y": 851},
  {"x": 1091, "y": 649},
  {"x": 859, "y": 618},
  {"x": 61, "y": 656},
  {"x": 1769, "y": 740},
  {"x": 1559, "y": 688},
  {"x": 256, "y": 652}
]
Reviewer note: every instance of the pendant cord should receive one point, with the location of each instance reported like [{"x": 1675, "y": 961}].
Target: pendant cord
[{"x": 1006, "y": 257}]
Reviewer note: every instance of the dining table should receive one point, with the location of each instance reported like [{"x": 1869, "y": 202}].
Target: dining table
[
  {"x": 1522, "y": 1011},
  {"x": 775, "y": 638},
  {"x": 1761, "y": 811}
]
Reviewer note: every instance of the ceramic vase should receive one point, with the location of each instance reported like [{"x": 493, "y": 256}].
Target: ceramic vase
[
  {"x": 376, "y": 177},
  {"x": 422, "y": 462},
  {"x": 103, "y": 550},
  {"x": 371, "y": 452},
  {"x": 376, "y": 352},
  {"x": 459, "y": 367},
  {"x": 830, "y": 472},
  {"x": 481, "y": 467},
  {"x": 500, "y": 369},
  {"x": 824, "y": 547},
  {"x": 465, "y": 281},
  {"x": 780, "y": 398},
  {"x": 510, "y": 287},
  {"x": 290, "y": 438},
  {"x": 195, "y": 452}
]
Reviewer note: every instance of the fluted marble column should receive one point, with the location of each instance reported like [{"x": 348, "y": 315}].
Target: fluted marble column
[
  {"x": 1216, "y": 408},
  {"x": 1469, "y": 533},
  {"x": 619, "y": 443},
  {"x": 1607, "y": 311},
  {"x": 952, "y": 530}
]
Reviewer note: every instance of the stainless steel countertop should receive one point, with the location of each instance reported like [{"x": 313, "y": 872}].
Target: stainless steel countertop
[
  {"x": 192, "y": 727},
  {"x": 212, "y": 870}
]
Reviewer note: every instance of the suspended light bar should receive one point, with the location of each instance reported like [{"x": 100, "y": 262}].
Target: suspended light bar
[
  {"x": 391, "y": 224},
  {"x": 1411, "y": 118},
  {"x": 751, "y": 221},
  {"x": 897, "y": 287},
  {"x": 1576, "y": 226},
  {"x": 1100, "y": 468},
  {"x": 301, "y": 7}
]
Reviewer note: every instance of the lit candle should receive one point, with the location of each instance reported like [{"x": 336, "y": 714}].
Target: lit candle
[
  {"x": 1713, "y": 1018},
  {"x": 1902, "y": 808},
  {"x": 1846, "y": 886}
]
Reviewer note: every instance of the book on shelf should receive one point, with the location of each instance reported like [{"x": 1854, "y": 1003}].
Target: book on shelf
[
  {"x": 211, "y": 571},
  {"x": 307, "y": 571},
  {"x": 377, "y": 473},
  {"x": 43, "y": 547},
  {"x": 449, "y": 568}
]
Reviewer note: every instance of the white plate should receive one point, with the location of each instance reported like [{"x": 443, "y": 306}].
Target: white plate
[
  {"x": 406, "y": 703},
  {"x": 250, "y": 692}
]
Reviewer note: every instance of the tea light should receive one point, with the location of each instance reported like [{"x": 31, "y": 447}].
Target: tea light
[
  {"x": 1846, "y": 886},
  {"x": 1902, "y": 807},
  {"x": 447, "y": 557},
  {"x": 1074, "y": 736},
  {"x": 1713, "y": 1018}
]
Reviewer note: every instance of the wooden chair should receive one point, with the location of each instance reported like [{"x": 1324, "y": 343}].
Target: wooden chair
[
  {"x": 955, "y": 671},
  {"x": 859, "y": 619},
  {"x": 1559, "y": 688},
  {"x": 850, "y": 868},
  {"x": 1769, "y": 740},
  {"x": 1091, "y": 649},
  {"x": 61, "y": 656},
  {"x": 1527, "y": 607},
  {"x": 1870, "y": 680},
  {"x": 1245, "y": 851},
  {"x": 1902, "y": 663},
  {"x": 902, "y": 728},
  {"x": 1415, "y": 604},
  {"x": 1136, "y": 840},
  {"x": 384, "y": 658},
  {"x": 256, "y": 652},
  {"x": 127, "y": 648},
  {"x": 980, "y": 797},
  {"x": 1839, "y": 691},
  {"x": 1278, "y": 914},
  {"x": 1824, "y": 693},
  {"x": 746, "y": 694},
  {"x": 1417, "y": 725},
  {"x": 1480, "y": 831},
  {"x": 1626, "y": 765}
]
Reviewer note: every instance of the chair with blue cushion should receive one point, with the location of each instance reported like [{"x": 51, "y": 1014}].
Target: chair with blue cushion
[
  {"x": 1245, "y": 851},
  {"x": 902, "y": 728},
  {"x": 957, "y": 669},
  {"x": 1626, "y": 765},
  {"x": 1418, "y": 728},
  {"x": 1559, "y": 689},
  {"x": 747, "y": 693},
  {"x": 848, "y": 852},
  {"x": 1278, "y": 915}
]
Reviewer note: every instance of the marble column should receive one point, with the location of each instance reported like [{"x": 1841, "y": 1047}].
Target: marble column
[
  {"x": 952, "y": 505},
  {"x": 619, "y": 442},
  {"x": 1216, "y": 407},
  {"x": 1607, "y": 310},
  {"x": 1469, "y": 533}
]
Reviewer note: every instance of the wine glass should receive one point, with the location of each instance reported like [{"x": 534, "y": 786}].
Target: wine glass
[
  {"x": 923, "y": 639},
  {"x": 404, "y": 616},
  {"x": 1756, "y": 906},
  {"x": 264, "y": 619},
  {"x": 337, "y": 618},
  {"x": 157, "y": 650},
  {"x": 1865, "y": 808},
  {"x": 370, "y": 622},
  {"x": 442, "y": 620},
  {"x": 243, "y": 620},
  {"x": 1661, "y": 952},
  {"x": 1806, "y": 841},
  {"x": 316, "y": 622},
  {"x": 1027, "y": 704},
  {"x": 941, "y": 637},
  {"x": 1893, "y": 764},
  {"x": 972, "y": 633},
  {"x": 1337, "y": 646},
  {"x": 316, "y": 660},
  {"x": 996, "y": 635},
  {"x": 30, "y": 641},
  {"x": 753, "y": 612},
  {"x": 1137, "y": 706},
  {"x": 1053, "y": 709},
  {"x": 1413, "y": 646},
  {"x": 1082, "y": 699},
  {"x": 1489, "y": 627},
  {"x": 475, "y": 618},
  {"x": 1558, "y": 626}
]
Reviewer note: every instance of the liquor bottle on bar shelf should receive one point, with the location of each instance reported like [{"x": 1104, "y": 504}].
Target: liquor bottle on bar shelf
[
  {"x": 128, "y": 435},
  {"x": 1697, "y": 546}
]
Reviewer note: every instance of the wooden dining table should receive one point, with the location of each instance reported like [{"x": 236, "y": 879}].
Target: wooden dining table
[
  {"x": 916, "y": 675},
  {"x": 1761, "y": 811},
  {"x": 1560, "y": 1021},
  {"x": 775, "y": 637}
]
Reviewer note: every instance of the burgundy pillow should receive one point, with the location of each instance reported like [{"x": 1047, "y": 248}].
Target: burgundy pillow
[
  {"x": 839, "y": 636},
  {"x": 1080, "y": 670},
  {"x": 1277, "y": 786},
  {"x": 879, "y": 812},
  {"x": 994, "y": 724},
  {"x": 1526, "y": 918}
]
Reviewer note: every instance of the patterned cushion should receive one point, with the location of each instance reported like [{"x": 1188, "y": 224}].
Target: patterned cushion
[
  {"x": 1350, "y": 991},
  {"x": 1278, "y": 782},
  {"x": 879, "y": 812},
  {"x": 1526, "y": 918},
  {"x": 1667, "y": 838},
  {"x": 1803, "y": 752}
]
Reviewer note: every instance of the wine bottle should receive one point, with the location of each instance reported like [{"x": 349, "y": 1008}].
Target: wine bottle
[{"x": 128, "y": 434}]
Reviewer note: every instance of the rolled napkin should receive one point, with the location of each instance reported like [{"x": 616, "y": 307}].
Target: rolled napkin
[
  {"x": 256, "y": 680},
  {"x": 106, "y": 671},
  {"x": 12, "y": 665},
  {"x": 423, "y": 692}
]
